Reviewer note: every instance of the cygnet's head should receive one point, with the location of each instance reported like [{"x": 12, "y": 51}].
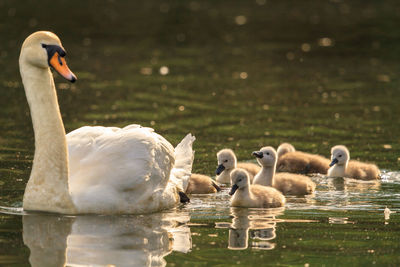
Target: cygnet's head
[
  {"x": 240, "y": 179},
  {"x": 266, "y": 157},
  {"x": 285, "y": 148},
  {"x": 226, "y": 160},
  {"x": 340, "y": 155},
  {"x": 44, "y": 49}
]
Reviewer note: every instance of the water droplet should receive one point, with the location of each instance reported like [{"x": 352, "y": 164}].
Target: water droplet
[
  {"x": 290, "y": 55},
  {"x": 243, "y": 75},
  {"x": 164, "y": 70},
  {"x": 376, "y": 108},
  {"x": 387, "y": 146},
  {"x": 306, "y": 47},
  {"x": 146, "y": 71},
  {"x": 240, "y": 20},
  {"x": 383, "y": 78},
  {"x": 337, "y": 116},
  {"x": 325, "y": 41}
]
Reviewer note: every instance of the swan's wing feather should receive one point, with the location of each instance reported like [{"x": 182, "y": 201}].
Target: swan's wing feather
[
  {"x": 184, "y": 156},
  {"x": 111, "y": 167}
]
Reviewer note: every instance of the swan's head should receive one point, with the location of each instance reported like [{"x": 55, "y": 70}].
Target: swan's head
[
  {"x": 285, "y": 148},
  {"x": 266, "y": 157},
  {"x": 226, "y": 160},
  {"x": 340, "y": 155},
  {"x": 240, "y": 179},
  {"x": 44, "y": 49}
]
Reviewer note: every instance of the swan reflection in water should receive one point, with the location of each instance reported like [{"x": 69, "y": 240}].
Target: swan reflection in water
[
  {"x": 142, "y": 240},
  {"x": 260, "y": 222}
]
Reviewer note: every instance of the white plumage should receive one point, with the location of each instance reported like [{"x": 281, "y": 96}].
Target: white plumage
[
  {"x": 126, "y": 169},
  {"x": 103, "y": 170}
]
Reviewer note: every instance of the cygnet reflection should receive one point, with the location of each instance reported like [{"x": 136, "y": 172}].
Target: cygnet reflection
[
  {"x": 142, "y": 240},
  {"x": 260, "y": 222},
  {"x": 346, "y": 184}
]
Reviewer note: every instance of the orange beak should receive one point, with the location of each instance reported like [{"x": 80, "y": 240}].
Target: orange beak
[{"x": 60, "y": 65}]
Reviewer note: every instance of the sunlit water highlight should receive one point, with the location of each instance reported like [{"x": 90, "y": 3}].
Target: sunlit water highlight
[
  {"x": 146, "y": 240},
  {"x": 242, "y": 76}
]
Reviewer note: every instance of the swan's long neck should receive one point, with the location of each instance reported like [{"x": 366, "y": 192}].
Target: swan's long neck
[{"x": 47, "y": 188}]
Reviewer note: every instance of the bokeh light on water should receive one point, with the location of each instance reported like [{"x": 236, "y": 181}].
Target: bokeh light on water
[{"x": 241, "y": 75}]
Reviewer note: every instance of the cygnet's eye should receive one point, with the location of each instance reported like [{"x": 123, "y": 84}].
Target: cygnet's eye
[
  {"x": 226, "y": 160},
  {"x": 240, "y": 180},
  {"x": 340, "y": 156},
  {"x": 267, "y": 153}
]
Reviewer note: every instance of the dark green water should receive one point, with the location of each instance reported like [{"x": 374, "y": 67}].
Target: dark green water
[{"x": 241, "y": 74}]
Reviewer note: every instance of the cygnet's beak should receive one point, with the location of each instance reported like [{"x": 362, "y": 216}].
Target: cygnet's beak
[
  {"x": 334, "y": 161},
  {"x": 257, "y": 154},
  {"x": 233, "y": 189},
  {"x": 220, "y": 169}
]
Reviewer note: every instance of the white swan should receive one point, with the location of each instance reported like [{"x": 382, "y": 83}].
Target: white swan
[{"x": 109, "y": 170}]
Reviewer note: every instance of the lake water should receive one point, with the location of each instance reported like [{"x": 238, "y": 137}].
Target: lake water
[{"x": 237, "y": 74}]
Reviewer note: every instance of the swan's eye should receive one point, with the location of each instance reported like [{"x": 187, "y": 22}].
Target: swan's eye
[
  {"x": 59, "y": 60},
  {"x": 52, "y": 49},
  {"x": 62, "y": 53}
]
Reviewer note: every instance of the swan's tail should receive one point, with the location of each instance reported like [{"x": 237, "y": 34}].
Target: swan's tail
[{"x": 184, "y": 156}]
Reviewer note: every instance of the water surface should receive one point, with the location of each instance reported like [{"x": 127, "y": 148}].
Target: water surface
[{"x": 240, "y": 75}]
